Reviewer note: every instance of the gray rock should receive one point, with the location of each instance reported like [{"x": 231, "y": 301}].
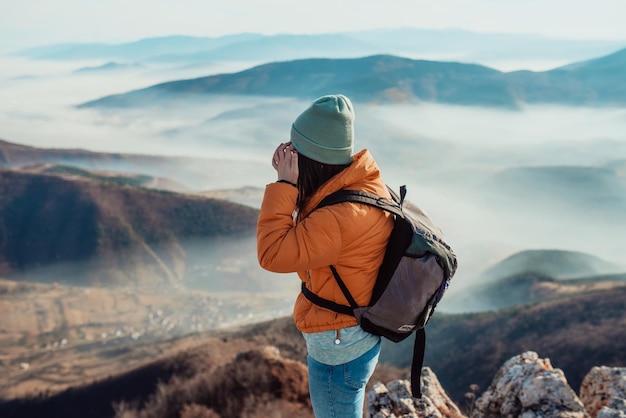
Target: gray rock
[
  {"x": 394, "y": 400},
  {"x": 526, "y": 386},
  {"x": 603, "y": 391},
  {"x": 529, "y": 387}
]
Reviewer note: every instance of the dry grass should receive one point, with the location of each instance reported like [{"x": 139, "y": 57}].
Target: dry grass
[{"x": 256, "y": 383}]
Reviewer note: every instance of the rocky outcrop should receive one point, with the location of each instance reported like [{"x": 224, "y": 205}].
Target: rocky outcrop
[
  {"x": 395, "y": 399},
  {"x": 525, "y": 386},
  {"x": 603, "y": 391}
]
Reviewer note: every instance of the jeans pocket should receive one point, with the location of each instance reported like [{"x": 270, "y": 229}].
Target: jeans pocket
[{"x": 358, "y": 371}]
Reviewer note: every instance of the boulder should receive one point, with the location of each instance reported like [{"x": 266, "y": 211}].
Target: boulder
[
  {"x": 529, "y": 387},
  {"x": 603, "y": 391},
  {"x": 394, "y": 400}
]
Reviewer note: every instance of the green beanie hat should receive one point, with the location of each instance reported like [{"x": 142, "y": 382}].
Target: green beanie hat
[{"x": 324, "y": 131}]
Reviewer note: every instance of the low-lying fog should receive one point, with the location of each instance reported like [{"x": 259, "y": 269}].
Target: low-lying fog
[{"x": 497, "y": 181}]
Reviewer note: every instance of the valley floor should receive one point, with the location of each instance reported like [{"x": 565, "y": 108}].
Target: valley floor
[{"x": 54, "y": 336}]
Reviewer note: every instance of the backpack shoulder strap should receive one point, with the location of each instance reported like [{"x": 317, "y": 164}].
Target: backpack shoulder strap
[{"x": 359, "y": 196}]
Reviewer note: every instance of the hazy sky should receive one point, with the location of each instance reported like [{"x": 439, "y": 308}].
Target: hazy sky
[{"x": 38, "y": 22}]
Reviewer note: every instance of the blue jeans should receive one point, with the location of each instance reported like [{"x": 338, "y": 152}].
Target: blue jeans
[{"x": 339, "y": 391}]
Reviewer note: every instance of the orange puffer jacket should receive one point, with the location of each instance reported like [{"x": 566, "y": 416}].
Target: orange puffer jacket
[{"x": 350, "y": 236}]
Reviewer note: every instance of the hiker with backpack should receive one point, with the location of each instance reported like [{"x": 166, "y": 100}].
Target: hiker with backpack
[{"x": 294, "y": 236}]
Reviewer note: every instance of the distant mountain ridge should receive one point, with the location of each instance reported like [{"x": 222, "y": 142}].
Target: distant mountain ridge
[
  {"x": 195, "y": 173},
  {"x": 16, "y": 155},
  {"x": 137, "y": 180},
  {"x": 531, "y": 276},
  {"x": 455, "y": 43},
  {"x": 137, "y": 50},
  {"x": 393, "y": 79},
  {"x": 109, "y": 66},
  {"x": 554, "y": 263}
]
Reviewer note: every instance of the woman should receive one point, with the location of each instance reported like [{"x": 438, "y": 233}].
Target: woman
[{"x": 294, "y": 237}]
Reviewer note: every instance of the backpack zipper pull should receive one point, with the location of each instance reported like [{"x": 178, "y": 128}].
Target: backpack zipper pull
[{"x": 337, "y": 340}]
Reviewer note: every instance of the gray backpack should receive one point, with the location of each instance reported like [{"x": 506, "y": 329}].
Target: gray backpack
[{"x": 412, "y": 279}]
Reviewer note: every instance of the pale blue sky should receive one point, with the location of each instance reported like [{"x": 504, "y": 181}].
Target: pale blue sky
[{"x": 41, "y": 22}]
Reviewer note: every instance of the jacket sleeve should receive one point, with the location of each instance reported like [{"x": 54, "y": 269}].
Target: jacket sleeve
[{"x": 284, "y": 246}]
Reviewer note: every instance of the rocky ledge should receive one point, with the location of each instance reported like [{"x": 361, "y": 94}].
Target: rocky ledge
[{"x": 525, "y": 386}]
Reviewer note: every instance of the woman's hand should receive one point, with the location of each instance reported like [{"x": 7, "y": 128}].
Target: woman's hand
[{"x": 285, "y": 162}]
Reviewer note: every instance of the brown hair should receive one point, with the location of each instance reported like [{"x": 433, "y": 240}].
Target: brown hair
[{"x": 311, "y": 175}]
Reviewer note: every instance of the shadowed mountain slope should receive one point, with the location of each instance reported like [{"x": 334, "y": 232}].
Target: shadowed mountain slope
[{"x": 129, "y": 233}]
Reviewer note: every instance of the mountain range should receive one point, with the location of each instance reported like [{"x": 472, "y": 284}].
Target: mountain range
[
  {"x": 137, "y": 50},
  {"x": 457, "y": 44},
  {"x": 394, "y": 79}
]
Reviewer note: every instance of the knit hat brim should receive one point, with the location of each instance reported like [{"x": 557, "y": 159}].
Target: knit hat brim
[{"x": 319, "y": 152}]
